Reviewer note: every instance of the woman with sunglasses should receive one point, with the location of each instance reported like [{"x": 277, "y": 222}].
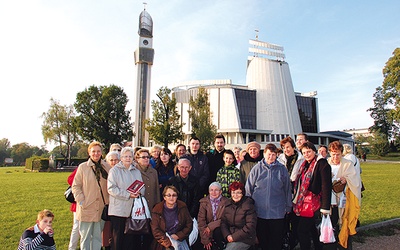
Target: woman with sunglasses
[
  {"x": 171, "y": 217},
  {"x": 152, "y": 191}
]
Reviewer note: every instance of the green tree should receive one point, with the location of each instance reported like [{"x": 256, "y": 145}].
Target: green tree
[
  {"x": 5, "y": 147},
  {"x": 102, "y": 115},
  {"x": 165, "y": 127},
  {"x": 20, "y": 152},
  {"x": 201, "y": 119},
  {"x": 59, "y": 127},
  {"x": 379, "y": 144},
  {"x": 380, "y": 113},
  {"x": 386, "y": 109}
]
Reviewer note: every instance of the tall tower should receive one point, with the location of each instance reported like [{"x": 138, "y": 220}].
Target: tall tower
[
  {"x": 276, "y": 102},
  {"x": 144, "y": 56}
]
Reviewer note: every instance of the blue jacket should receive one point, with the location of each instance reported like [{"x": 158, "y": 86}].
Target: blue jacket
[{"x": 269, "y": 186}]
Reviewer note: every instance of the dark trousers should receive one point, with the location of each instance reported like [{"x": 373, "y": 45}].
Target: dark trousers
[
  {"x": 138, "y": 241},
  {"x": 270, "y": 233},
  {"x": 307, "y": 230},
  {"x": 117, "y": 229}
]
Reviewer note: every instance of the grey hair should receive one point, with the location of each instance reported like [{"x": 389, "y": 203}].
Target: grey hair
[
  {"x": 215, "y": 184},
  {"x": 347, "y": 149},
  {"x": 184, "y": 159},
  {"x": 111, "y": 153},
  {"x": 127, "y": 149}
]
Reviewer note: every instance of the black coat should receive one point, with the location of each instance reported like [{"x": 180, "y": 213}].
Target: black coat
[
  {"x": 321, "y": 182},
  {"x": 189, "y": 192}
]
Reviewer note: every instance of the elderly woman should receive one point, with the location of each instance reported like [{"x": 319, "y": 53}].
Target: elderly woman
[
  {"x": 252, "y": 157},
  {"x": 154, "y": 155},
  {"x": 236, "y": 150},
  {"x": 269, "y": 186},
  {"x": 345, "y": 214},
  {"x": 238, "y": 223},
  {"x": 171, "y": 217},
  {"x": 165, "y": 168},
  {"x": 209, "y": 218},
  {"x": 113, "y": 158},
  {"x": 121, "y": 176},
  {"x": 90, "y": 191},
  {"x": 312, "y": 192},
  {"x": 152, "y": 191}
]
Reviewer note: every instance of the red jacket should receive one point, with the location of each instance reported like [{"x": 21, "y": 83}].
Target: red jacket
[{"x": 70, "y": 180}]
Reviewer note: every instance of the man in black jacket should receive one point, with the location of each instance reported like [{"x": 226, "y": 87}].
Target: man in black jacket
[
  {"x": 199, "y": 163},
  {"x": 216, "y": 157},
  {"x": 187, "y": 186}
]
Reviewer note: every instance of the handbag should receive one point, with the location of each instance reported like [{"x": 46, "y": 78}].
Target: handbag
[
  {"x": 311, "y": 203},
  {"x": 195, "y": 232},
  {"x": 104, "y": 213},
  {"x": 338, "y": 186},
  {"x": 69, "y": 196},
  {"x": 326, "y": 228},
  {"x": 138, "y": 222}
]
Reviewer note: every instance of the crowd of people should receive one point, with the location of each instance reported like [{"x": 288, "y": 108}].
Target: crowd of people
[{"x": 248, "y": 198}]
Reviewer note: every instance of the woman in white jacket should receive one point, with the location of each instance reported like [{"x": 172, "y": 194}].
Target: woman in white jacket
[{"x": 121, "y": 176}]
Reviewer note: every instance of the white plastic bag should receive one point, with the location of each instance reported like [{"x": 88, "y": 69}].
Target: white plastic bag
[
  {"x": 178, "y": 245},
  {"x": 140, "y": 209},
  {"x": 327, "y": 235},
  {"x": 195, "y": 233}
]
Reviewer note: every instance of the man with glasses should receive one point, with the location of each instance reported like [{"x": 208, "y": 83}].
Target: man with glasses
[{"x": 187, "y": 186}]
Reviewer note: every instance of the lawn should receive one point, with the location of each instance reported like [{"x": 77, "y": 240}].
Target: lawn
[{"x": 23, "y": 194}]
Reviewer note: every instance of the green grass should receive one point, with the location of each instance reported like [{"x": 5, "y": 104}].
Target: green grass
[
  {"x": 388, "y": 157},
  {"x": 23, "y": 194},
  {"x": 375, "y": 232},
  {"x": 381, "y": 198}
]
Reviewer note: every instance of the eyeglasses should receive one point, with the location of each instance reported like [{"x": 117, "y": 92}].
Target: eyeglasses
[
  {"x": 117, "y": 150},
  {"x": 127, "y": 156},
  {"x": 144, "y": 157},
  {"x": 171, "y": 195}
]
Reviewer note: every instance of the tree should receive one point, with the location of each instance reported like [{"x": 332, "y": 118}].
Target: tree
[
  {"x": 59, "y": 127},
  {"x": 165, "y": 126},
  {"x": 102, "y": 115},
  {"x": 201, "y": 119},
  {"x": 5, "y": 147},
  {"x": 379, "y": 144},
  {"x": 386, "y": 110},
  {"x": 20, "y": 152}
]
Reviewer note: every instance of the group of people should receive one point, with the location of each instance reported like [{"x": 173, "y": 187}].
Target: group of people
[{"x": 240, "y": 199}]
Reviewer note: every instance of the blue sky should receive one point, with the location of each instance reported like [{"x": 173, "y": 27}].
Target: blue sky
[{"x": 55, "y": 49}]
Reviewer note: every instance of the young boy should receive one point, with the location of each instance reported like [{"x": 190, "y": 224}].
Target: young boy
[
  {"x": 39, "y": 236},
  {"x": 228, "y": 173}
]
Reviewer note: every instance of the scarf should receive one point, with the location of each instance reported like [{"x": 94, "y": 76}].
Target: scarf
[
  {"x": 291, "y": 160},
  {"x": 301, "y": 187},
  {"x": 99, "y": 170},
  {"x": 214, "y": 205}
]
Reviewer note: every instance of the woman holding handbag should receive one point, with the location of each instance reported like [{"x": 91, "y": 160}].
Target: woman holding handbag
[
  {"x": 171, "y": 222},
  {"x": 312, "y": 195},
  {"x": 121, "y": 176}
]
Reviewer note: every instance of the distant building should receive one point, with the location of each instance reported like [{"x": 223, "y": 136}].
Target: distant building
[{"x": 266, "y": 110}]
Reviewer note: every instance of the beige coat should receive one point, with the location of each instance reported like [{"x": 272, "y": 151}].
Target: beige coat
[{"x": 87, "y": 192}]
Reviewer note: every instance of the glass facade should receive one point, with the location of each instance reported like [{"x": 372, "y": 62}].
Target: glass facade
[
  {"x": 308, "y": 113},
  {"x": 247, "y": 107}
]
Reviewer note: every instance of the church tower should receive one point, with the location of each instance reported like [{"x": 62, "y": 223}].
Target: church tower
[{"x": 144, "y": 57}]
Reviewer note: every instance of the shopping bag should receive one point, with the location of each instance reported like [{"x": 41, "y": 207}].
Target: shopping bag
[
  {"x": 327, "y": 235},
  {"x": 139, "y": 221},
  {"x": 195, "y": 232},
  {"x": 178, "y": 245}
]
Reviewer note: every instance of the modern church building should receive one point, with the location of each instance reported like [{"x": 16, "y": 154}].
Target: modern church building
[{"x": 266, "y": 110}]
